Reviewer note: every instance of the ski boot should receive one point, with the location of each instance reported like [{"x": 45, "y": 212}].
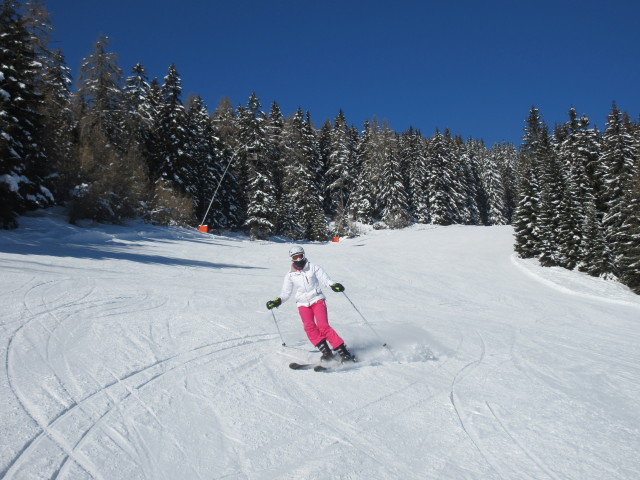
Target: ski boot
[
  {"x": 327, "y": 354},
  {"x": 345, "y": 356}
]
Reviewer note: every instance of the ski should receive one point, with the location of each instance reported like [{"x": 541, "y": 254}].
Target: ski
[
  {"x": 308, "y": 366},
  {"x": 301, "y": 366}
]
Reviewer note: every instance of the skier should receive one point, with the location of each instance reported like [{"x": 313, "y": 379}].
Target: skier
[{"x": 304, "y": 279}]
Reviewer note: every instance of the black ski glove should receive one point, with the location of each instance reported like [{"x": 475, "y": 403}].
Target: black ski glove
[
  {"x": 337, "y": 287},
  {"x": 275, "y": 303}
]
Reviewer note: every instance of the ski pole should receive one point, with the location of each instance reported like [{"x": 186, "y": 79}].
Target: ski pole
[
  {"x": 279, "y": 333},
  {"x": 384, "y": 344}
]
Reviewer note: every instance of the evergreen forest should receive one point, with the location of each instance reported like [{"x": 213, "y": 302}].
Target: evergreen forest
[{"x": 111, "y": 146}]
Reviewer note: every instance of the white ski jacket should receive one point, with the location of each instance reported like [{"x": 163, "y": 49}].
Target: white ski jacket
[{"x": 305, "y": 284}]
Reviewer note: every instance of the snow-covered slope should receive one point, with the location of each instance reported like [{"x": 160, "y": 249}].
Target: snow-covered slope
[{"x": 146, "y": 352}]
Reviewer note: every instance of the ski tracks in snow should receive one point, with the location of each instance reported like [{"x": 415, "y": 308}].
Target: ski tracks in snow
[
  {"x": 486, "y": 429},
  {"x": 65, "y": 420}
]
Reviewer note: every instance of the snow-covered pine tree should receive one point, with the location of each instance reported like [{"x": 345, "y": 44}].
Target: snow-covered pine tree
[
  {"x": 324, "y": 152},
  {"x": 58, "y": 131},
  {"x": 528, "y": 209},
  {"x": 572, "y": 151},
  {"x": 172, "y": 135},
  {"x": 204, "y": 166},
  {"x": 300, "y": 203},
  {"x": 494, "y": 188},
  {"x": 139, "y": 115},
  {"x": 339, "y": 172},
  {"x": 274, "y": 126},
  {"x": 471, "y": 196},
  {"x": 362, "y": 204},
  {"x": 595, "y": 256},
  {"x": 629, "y": 237},
  {"x": 171, "y": 170},
  {"x": 413, "y": 156},
  {"x": 508, "y": 160},
  {"x": 442, "y": 202},
  {"x": 317, "y": 230},
  {"x": 393, "y": 196},
  {"x": 551, "y": 194},
  {"x": 255, "y": 163},
  {"x": 23, "y": 164},
  {"x": 53, "y": 81},
  {"x": 618, "y": 162}
]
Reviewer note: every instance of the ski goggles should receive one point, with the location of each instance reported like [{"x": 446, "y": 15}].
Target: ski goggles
[{"x": 297, "y": 256}]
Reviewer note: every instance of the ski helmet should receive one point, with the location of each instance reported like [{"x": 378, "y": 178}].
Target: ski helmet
[
  {"x": 296, "y": 250},
  {"x": 297, "y": 255}
]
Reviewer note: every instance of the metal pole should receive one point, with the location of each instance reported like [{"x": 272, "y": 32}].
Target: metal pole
[
  {"x": 384, "y": 344},
  {"x": 276, "y": 322},
  {"x": 214, "y": 193}
]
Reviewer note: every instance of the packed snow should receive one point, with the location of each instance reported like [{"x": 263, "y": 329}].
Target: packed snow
[{"x": 142, "y": 352}]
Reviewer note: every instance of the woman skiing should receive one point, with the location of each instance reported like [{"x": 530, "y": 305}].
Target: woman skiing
[{"x": 304, "y": 279}]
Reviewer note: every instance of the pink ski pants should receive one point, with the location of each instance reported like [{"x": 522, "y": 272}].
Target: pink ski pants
[{"x": 318, "y": 329}]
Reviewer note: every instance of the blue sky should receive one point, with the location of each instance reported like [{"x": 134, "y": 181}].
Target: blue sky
[{"x": 475, "y": 67}]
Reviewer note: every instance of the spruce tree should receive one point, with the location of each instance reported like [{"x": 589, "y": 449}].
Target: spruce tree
[
  {"x": 629, "y": 256},
  {"x": 413, "y": 156},
  {"x": 255, "y": 163},
  {"x": 618, "y": 159},
  {"x": 339, "y": 172},
  {"x": 442, "y": 201},
  {"x": 528, "y": 210},
  {"x": 595, "y": 255},
  {"x": 23, "y": 164},
  {"x": 362, "y": 204},
  {"x": 59, "y": 127},
  {"x": 301, "y": 207},
  {"x": 493, "y": 186},
  {"x": 274, "y": 126},
  {"x": 393, "y": 195}
]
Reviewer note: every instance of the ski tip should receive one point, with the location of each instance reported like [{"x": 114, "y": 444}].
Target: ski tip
[{"x": 320, "y": 368}]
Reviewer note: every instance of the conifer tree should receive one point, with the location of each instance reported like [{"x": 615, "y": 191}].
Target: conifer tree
[
  {"x": 618, "y": 160},
  {"x": 139, "y": 112},
  {"x": 551, "y": 194},
  {"x": 274, "y": 126},
  {"x": 58, "y": 126},
  {"x": 23, "y": 164},
  {"x": 254, "y": 159},
  {"x": 413, "y": 154},
  {"x": 442, "y": 202},
  {"x": 629, "y": 256},
  {"x": 528, "y": 210},
  {"x": 339, "y": 172},
  {"x": 170, "y": 168},
  {"x": 317, "y": 227},
  {"x": 52, "y": 80},
  {"x": 393, "y": 196},
  {"x": 470, "y": 194},
  {"x": 324, "y": 152},
  {"x": 301, "y": 208},
  {"x": 595, "y": 255},
  {"x": 494, "y": 187},
  {"x": 362, "y": 204}
]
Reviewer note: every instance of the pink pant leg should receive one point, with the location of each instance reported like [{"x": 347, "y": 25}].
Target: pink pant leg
[{"x": 318, "y": 329}]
